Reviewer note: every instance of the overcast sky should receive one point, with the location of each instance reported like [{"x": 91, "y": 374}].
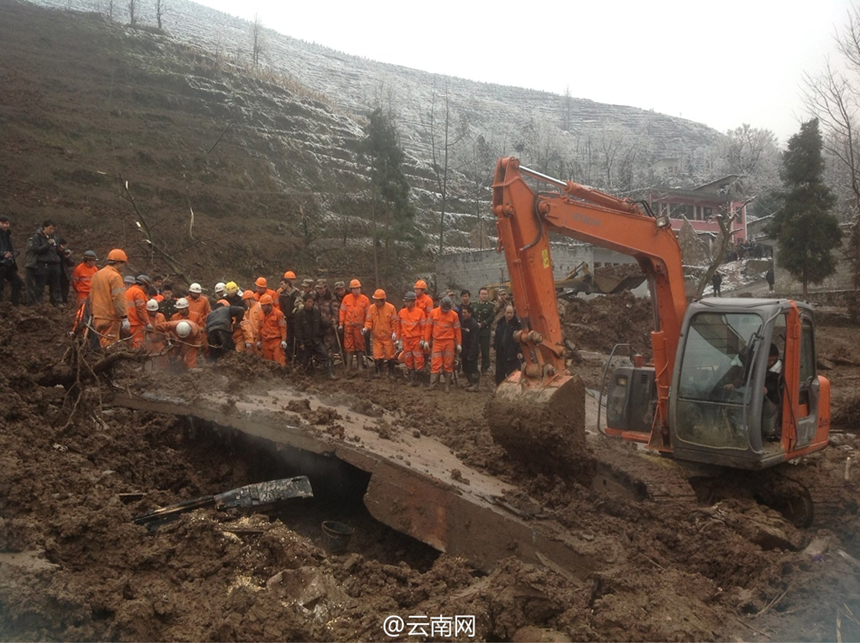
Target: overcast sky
[{"x": 720, "y": 63}]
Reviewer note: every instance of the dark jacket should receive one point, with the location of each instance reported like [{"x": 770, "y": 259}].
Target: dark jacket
[
  {"x": 471, "y": 339},
  {"x": 222, "y": 318},
  {"x": 287, "y": 302},
  {"x": 6, "y": 246},
  {"x": 40, "y": 250},
  {"x": 167, "y": 307},
  {"x": 506, "y": 348},
  {"x": 309, "y": 326},
  {"x": 68, "y": 263},
  {"x": 235, "y": 300},
  {"x": 484, "y": 312}
]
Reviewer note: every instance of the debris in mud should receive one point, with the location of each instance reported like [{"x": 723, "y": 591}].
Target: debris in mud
[
  {"x": 601, "y": 322},
  {"x": 846, "y": 416},
  {"x": 457, "y": 475}
]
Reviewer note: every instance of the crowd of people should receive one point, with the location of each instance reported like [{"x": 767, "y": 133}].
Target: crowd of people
[{"x": 310, "y": 325}]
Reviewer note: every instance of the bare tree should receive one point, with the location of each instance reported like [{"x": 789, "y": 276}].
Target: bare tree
[
  {"x": 566, "y": 105},
  {"x": 478, "y": 170},
  {"x": 257, "y": 40},
  {"x": 725, "y": 216},
  {"x": 834, "y": 97},
  {"x": 109, "y": 5},
  {"x": 443, "y": 139},
  {"x": 161, "y": 8},
  {"x": 132, "y": 12}
]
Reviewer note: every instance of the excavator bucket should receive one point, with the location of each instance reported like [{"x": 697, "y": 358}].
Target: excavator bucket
[
  {"x": 614, "y": 284},
  {"x": 541, "y": 424}
]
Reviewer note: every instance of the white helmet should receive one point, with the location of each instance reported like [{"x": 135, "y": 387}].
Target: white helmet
[
  {"x": 220, "y": 287},
  {"x": 152, "y": 305},
  {"x": 181, "y": 303},
  {"x": 195, "y": 288},
  {"x": 183, "y": 329}
]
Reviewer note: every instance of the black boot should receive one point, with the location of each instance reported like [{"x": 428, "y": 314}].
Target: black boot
[{"x": 392, "y": 374}]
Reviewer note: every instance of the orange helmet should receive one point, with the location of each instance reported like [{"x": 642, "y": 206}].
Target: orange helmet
[
  {"x": 266, "y": 299},
  {"x": 289, "y": 274},
  {"x": 421, "y": 284},
  {"x": 248, "y": 294},
  {"x": 355, "y": 283},
  {"x": 379, "y": 294},
  {"x": 261, "y": 282},
  {"x": 223, "y": 302},
  {"x": 117, "y": 255}
]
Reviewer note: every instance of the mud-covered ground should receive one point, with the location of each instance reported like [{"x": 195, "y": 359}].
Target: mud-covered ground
[{"x": 73, "y": 565}]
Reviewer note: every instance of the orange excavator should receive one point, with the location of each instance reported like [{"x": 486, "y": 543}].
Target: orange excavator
[{"x": 733, "y": 381}]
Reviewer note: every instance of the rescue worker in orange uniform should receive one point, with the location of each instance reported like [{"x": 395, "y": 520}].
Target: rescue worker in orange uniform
[
  {"x": 251, "y": 321},
  {"x": 422, "y": 299},
  {"x": 445, "y": 338},
  {"x": 239, "y": 329},
  {"x": 136, "y": 297},
  {"x": 181, "y": 307},
  {"x": 263, "y": 289},
  {"x": 199, "y": 308},
  {"x": 155, "y": 342},
  {"x": 83, "y": 275},
  {"x": 381, "y": 322},
  {"x": 272, "y": 332},
  {"x": 410, "y": 335},
  {"x": 353, "y": 313},
  {"x": 107, "y": 297},
  {"x": 184, "y": 335}
]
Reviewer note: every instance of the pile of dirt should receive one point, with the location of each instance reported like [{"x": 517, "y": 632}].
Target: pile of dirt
[
  {"x": 601, "y": 322},
  {"x": 73, "y": 565}
]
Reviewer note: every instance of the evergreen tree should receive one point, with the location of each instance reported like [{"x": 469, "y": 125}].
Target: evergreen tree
[
  {"x": 392, "y": 213},
  {"x": 806, "y": 230}
]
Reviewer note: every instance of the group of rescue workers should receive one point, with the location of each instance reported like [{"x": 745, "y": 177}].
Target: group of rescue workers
[{"x": 310, "y": 324}]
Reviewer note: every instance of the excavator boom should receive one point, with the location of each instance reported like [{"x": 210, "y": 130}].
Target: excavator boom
[{"x": 524, "y": 220}]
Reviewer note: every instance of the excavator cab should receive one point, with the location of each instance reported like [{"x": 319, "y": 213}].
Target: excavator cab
[{"x": 746, "y": 393}]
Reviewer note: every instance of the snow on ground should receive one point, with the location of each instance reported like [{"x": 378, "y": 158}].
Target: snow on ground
[{"x": 735, "y": 278}]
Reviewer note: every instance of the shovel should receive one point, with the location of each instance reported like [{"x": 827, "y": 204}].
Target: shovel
[{"x": 252, "y": 495}]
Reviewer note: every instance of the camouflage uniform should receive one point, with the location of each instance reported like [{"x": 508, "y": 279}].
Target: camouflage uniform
[{"x": 329, "y": 311}]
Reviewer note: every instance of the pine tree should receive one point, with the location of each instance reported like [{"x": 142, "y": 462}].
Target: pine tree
[
  {"x": 392, "y": 213},
  {"x": 806, "y": 230}
]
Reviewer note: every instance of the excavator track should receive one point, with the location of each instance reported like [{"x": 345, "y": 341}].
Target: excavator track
[{"x": 802, "y": 492}]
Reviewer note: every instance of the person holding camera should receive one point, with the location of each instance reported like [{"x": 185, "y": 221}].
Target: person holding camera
[
  {"x": 67, "y": 268},
  {"x": 43, "y": 265},
  {"x": 8, "y": 265}
]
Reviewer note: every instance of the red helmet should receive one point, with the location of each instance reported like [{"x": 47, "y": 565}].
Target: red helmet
[{"x": 117, "y": 255}]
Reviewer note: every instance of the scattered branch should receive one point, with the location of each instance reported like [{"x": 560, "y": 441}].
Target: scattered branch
[{"x": 143, "y": 226}]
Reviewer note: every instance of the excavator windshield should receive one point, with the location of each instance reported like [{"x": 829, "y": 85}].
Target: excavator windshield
[{"x": 713, "y": 393}]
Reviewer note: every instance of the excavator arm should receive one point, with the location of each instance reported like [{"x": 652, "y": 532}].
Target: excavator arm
[{"x": 524, "y": 220}]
